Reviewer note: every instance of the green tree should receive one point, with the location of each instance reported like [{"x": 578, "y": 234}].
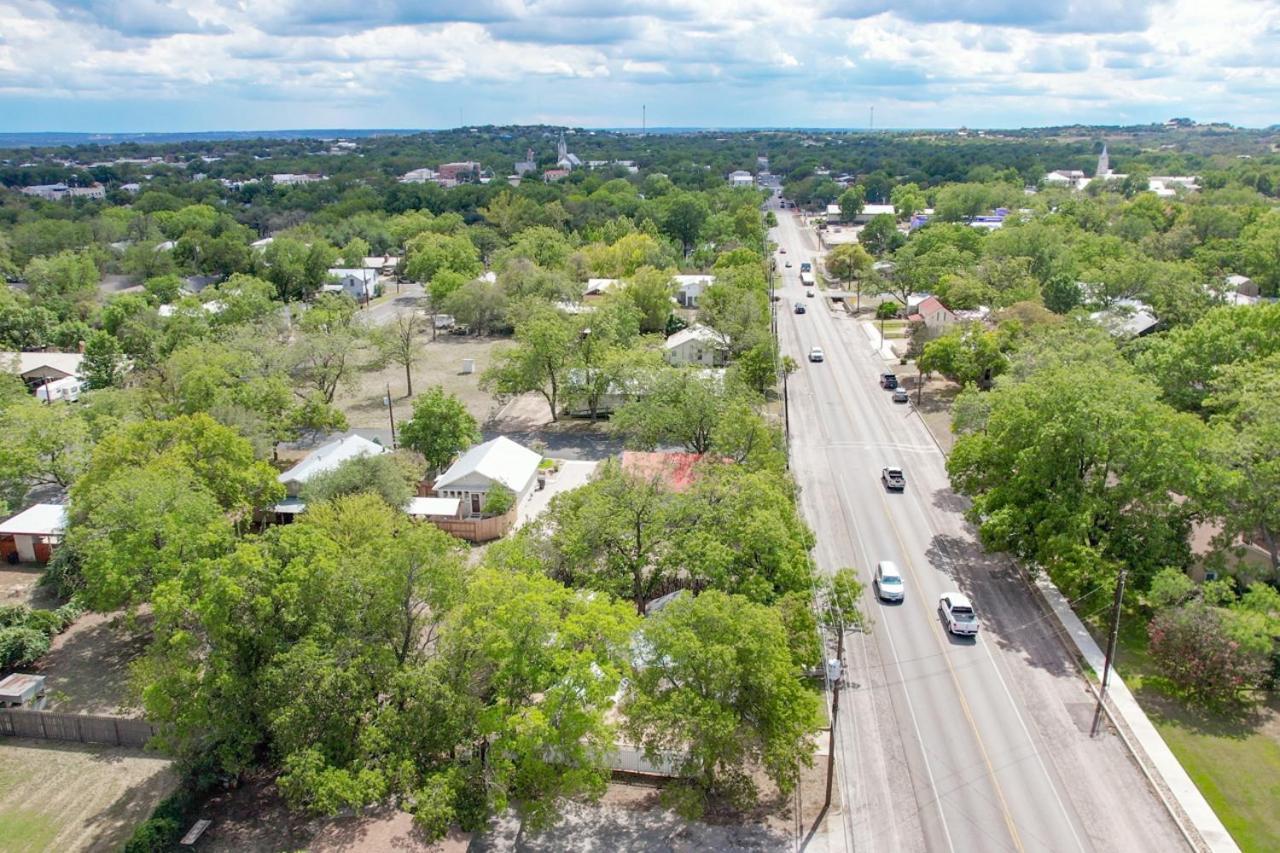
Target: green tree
[
  {"x": 103, "y": 365},
  {"x": 716, "y": 685},
  {"x": 479, "y": 305},
  {"x": 682, "y": 215},
  {"x": 850, "y": 263},
  {"x": 430, "y": 253},
  {"x": 401, "y": 341},
  {"x": 969, "y": 354},
  {"x": 1193, "y": 647},
  {"x": 907, "y": 200},
  {"x": 394, "y": 477},
  {"x": 440, "y": 428},
  {"x": 66, "y": 283},
  {"x": 680, "y": 407},
  {"x": 880, "y": 236},
  {"x": 851, "y": 202},
  {"x": 650, "y": 290},
  {"x": 539, "y": 361},
  {"x": 297, "y": 268}
]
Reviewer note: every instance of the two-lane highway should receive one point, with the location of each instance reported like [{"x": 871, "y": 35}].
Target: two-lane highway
[{"x": 943, "y": 743}]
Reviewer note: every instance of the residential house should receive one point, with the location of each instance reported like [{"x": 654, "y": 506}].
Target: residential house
[
  {"x": 552, "y": 175},
  {"x": 741, "y": 178},
  {"x": 1064, "y": 178},
  {"x": 600, "y": 286},
  {"x": 696, "y": 345},
  {"x": 1127, "y": 318},
  {"x": 60, "y": 191},
  {"x": 386, "y": 265},
  {"x": 356, "y": 282},
  {"x": 40, "y": 368},
  {"x": 935, "y": 316},
  {"x": 500, "y": 462},
  {"x": 323, "y": 459},
  {"x": 689, "y": 288},
  {"x": 1242, "y": 285},
  {"x": 32, "y": 534}
]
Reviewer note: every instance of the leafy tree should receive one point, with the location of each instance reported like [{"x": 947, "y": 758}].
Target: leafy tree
[
  {"x": 393, "y": 477},
  {"x": 1261, "y": 249},
  {"x": 444, "y": 284},
  {"x": 431, "y": 253},
  {"x": 65, "y": 283},
  {"x": 682, "y": 215},
  {"x": 42, "y": 444},
  {"x": 1194, "y": 648},
  {"x": 849, "y": 263},
  {"x": 440, "y": 428},
  {"x": 296, "y": 268},
  {"x": 649, "y": 291},
  {"x": 540, "y": 361},
  {"x": 907, "y": 200},
  {"x": 498, "y": 500},
  {"x": 739, "y": 315},
  {"x": 103, "y": 365},
  {"x": 479, "y": 305},
  {"x": 881, "y": 236},
  {"x": 851, "y": 202},
  {"x": 681, "y": 407},
  {"x": 969, "y": 354},
  {"x": 717, "y": 686},
  {"x": 1075, "y": 475},
  {"x": 163, "y": 289}
]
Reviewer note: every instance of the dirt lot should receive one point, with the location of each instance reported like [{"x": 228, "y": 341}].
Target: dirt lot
[
  {"x": 441, "y": 364},
  {"x": 20, "y": 585},
  {"x": 74, "y": 796},
  {"x": 629, "y": 817}
]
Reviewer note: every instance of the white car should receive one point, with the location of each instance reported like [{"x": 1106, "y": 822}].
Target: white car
[
  {"x": 816, "y": 354},
  {"x": 888, "y": 582},
  {"x": 958, "y": 614}
]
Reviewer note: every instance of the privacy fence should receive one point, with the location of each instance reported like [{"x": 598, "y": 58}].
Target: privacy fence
[{"x": 83, "y": 728}]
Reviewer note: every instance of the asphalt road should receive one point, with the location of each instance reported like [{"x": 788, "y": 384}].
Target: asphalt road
[{"x": 942, "y": 744}]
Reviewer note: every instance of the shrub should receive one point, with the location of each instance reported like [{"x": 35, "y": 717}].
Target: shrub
[
  {"x": 161, "y": 831},
  {"x": 1195, "y": 648},
  {"x": 20, "y": 646},
  {"x": 499, "y": 500}
]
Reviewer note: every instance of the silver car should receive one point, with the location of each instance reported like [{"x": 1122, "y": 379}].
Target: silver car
[{"x": 888, "y": 582}]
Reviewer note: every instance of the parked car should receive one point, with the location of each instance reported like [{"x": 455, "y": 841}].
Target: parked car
[
  {"x": 888, "y": 582},
  {"x": 900, "y": 395},
  {"x": 888, "y": 380},
  {"x": 893, "y": 478},
  {"x": 787, "y": 265},
  {"x": 958, "y": 614},
  {"x": 815, "y": 354},
  {"x": 799, "y": 307}
]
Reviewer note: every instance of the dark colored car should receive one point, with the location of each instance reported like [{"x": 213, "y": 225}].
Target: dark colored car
[
  {"x": 893, "y": 479},
  {"x": 888, "y": 380}
]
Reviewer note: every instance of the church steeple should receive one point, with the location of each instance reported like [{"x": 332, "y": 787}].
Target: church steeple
[
  {"x": 1104, "y": 163},
  {"x": 562, "y": 149}
]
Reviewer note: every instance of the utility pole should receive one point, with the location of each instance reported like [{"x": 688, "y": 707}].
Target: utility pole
[
  {"x": 835, "y": 711},
  {"x": 1111, "y": 648},
  {"x": 391, "y": 414}
]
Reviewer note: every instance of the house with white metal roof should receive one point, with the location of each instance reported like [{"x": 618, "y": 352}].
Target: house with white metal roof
[
  {"x": 696, "y": 344},
  {"x": 323, "y": 459},
  {"x": 478, "y": 471}
]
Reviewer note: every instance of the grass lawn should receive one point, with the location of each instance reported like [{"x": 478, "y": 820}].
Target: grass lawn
[{"x": 1234, "y": 761}]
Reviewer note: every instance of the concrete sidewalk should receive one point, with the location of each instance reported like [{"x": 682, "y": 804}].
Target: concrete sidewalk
[
  {"x": 878, "y": 343},
  {"x": 1159, "y": 757}
]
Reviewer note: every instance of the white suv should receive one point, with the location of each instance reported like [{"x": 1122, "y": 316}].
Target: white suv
[
  {"x": 888, "y": 582},
  {"x": 958, "y": 615}
]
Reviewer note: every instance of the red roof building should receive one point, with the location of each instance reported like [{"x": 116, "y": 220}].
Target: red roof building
[{"x": 678, "y": 471}]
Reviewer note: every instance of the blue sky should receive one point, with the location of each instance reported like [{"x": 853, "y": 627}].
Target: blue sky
[{"x": 128, "y": 65}]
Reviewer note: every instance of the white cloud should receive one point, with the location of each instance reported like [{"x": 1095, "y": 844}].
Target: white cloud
[{"x": 974, "y": 62}]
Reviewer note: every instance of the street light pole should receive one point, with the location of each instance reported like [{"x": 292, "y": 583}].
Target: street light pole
[{"x": 835, "y": 713}]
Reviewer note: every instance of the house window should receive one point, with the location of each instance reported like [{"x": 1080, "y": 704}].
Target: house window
[{"x": 475, "y": 504}]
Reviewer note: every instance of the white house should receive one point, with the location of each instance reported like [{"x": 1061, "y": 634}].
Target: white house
[
  {"x": 323, "y": 459},
  {"x": 39, "y": 368},
  {"x": 418, "y": 176},
  {"x": 599, "y": 286},
  {"x": 356, "y": 282},
  {"x": 741, "y": 178},
  {"x": 696, "y": 345},
  {"x": 689, "y": 288},
  {"x": 32, "y": 533},
  {"x": 1126, "y": 318},
  {"x": 497, "y": 462}
]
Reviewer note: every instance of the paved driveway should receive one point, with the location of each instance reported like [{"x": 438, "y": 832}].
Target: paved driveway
[{"x": 571, "y": 475}]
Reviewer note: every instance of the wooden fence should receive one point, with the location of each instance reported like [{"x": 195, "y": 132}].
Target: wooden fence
[
  {"x": 84, "y": 728},
  {"x": 477, "y": 529}
]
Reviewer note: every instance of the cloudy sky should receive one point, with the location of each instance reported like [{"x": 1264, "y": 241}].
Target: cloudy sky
[{"x": 120, "y": 65}]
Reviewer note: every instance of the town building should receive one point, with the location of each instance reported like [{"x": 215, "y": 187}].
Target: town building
[
  {"x": 741, "y": 178},
  {"x": 696, "y": 345},
  {"x": 32, "y": 534},
  {"x": 323, "y": 459},
  {"x": 500, "y": 462}
]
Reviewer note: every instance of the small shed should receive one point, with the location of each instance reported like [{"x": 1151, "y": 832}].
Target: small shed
[
  {"x": 21, "y": 690},
  {"x": 31, "y": 535}
]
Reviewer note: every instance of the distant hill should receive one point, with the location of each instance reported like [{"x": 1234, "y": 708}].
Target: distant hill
[{"x": 54, "y": 138}]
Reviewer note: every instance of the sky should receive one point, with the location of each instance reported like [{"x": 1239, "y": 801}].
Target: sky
[{"x": 186, "y": 65}]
